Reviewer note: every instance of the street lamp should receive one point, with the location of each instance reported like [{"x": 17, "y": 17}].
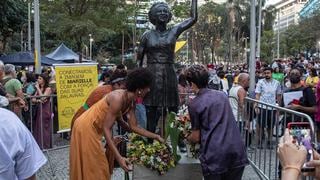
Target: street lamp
[
  {"x": 91, "y": 40},
  {"x": 259, "y": 31},
  {"x": 252, "y": 62},
  {"x": 37, "y": 45},
  {"x": 29, "y": 26},
  {"x": 246, "y": 49},
  {"x": 278, "y": 35}
]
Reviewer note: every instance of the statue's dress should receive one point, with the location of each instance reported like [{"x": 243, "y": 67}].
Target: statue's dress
[{"x": 159, "y": 48}]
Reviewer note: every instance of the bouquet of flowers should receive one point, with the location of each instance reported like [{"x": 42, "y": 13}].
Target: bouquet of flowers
[
  {"x": 179, "y": 126},
  {"x": 182, "y": 122},
  {"x": 155, "y": 156}
]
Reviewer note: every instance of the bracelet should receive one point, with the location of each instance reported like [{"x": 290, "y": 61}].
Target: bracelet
[{"x": 292, "y": 167}]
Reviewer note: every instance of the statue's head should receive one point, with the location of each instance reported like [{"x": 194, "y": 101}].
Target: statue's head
[{"x": 160, "y": 13}]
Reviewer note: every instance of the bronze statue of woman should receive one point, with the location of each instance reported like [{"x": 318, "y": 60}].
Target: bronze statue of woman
[{"x": 158, "y": 45}]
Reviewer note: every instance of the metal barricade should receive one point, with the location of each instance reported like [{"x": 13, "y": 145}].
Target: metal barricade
[
  {"x": 42, "y": 114},
  {"x": 268, "y": 125}
]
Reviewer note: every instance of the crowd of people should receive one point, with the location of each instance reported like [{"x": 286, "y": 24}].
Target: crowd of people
[{"x": 118, "y": 99}]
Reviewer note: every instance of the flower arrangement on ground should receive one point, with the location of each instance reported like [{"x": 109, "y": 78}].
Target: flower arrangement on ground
[{"x": 155, "y": 156}]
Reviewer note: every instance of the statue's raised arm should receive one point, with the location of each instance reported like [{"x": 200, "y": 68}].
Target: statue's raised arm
[{"x": 190, "y": 21}]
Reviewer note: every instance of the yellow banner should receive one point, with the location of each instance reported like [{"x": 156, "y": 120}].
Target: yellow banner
[
  {"x": 74, "y": 85},
  {"x": 179, "y": 45}
]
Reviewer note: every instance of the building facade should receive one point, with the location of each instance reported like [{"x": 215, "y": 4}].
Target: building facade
[
  {"x": 310, "y": 7},
  {"x": 287, "y": 13}
]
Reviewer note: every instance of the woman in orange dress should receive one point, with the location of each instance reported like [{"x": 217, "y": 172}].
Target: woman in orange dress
[{"x": 87, "y": 158}]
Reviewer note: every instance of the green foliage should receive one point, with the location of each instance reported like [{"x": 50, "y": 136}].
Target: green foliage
[
  {"x": 302, "y": 37},
  {"x": 13, "y": 15},
  {"x": 173, "y": 133},
  {"x": 267, "y": 44},
  {"x": 181, "y": 10},
  {"x": 210, "y": 28},
  {"x": 269, "y": 17},
  {"x": 74, "y": 20}
]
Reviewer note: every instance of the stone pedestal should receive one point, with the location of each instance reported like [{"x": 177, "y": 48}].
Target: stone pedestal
[{"x": 187, "y": 169}]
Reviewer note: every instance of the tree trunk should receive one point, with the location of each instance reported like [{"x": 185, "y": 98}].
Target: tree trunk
[
  {"x": 212, "y": 55},
  {"x": 79, "y": 48},
  {"x": 4, "y": 44},
  {"x": 230, "y": 47},
  {"x": 239, "y": 45}
]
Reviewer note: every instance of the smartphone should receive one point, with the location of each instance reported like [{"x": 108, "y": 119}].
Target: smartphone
[{"x": 301, "y": 133}]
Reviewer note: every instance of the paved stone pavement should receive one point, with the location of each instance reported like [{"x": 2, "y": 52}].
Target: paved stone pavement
[{"x": 60, "y": 166}]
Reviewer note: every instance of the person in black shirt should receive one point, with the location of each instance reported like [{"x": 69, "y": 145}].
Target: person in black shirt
[{"x": 307, "y": 103}]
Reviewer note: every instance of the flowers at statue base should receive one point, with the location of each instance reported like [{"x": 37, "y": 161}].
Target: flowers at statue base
[
  {"x": 182, "y": 124},
  {"x": 158, "y": 156},
  {"x": 155, "y": 156}
]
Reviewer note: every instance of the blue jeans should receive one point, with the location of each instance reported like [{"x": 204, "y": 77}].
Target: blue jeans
[{"x": 141, "y": 115}]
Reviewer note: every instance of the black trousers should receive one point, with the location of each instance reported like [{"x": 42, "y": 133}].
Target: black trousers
[
  {"x": 233, "y": 174},
  {"x": 154, "y": 113}
]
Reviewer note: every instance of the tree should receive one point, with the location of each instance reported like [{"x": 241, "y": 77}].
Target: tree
[
  {"x": 181, "y": 10},
  {"x": 269, "y": 17},
  {"x": 302, "y": 37},
  {"x": 13, "y": 15},
  {"x": 237, "y": 25},
  {"x": 74, "y": 20},
  {"x": 267, "y": 44},
  {"x": 209, "y": 30}
]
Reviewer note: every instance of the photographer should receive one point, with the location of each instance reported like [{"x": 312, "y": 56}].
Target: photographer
[{"x": 292, "y": 157}]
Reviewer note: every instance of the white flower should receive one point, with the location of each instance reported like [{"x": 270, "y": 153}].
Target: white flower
[{"x": 171, "y": 125}]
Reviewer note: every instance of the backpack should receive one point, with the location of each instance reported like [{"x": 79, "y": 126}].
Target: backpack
[
  {"x": 4, "y": 81},
  {"x": 215, "y": 83}
]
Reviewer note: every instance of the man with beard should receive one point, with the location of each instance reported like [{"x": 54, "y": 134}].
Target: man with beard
[{"x": 268, "y": 90}]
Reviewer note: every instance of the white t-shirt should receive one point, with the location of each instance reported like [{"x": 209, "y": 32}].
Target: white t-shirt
[
  {"x": 268, "y": 91},
  {"x": 20, "y": 155},
  {"x": 234, "y": 101}
]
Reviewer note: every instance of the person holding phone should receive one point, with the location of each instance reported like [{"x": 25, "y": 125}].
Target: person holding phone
[{"x": 292, "y": 157}]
